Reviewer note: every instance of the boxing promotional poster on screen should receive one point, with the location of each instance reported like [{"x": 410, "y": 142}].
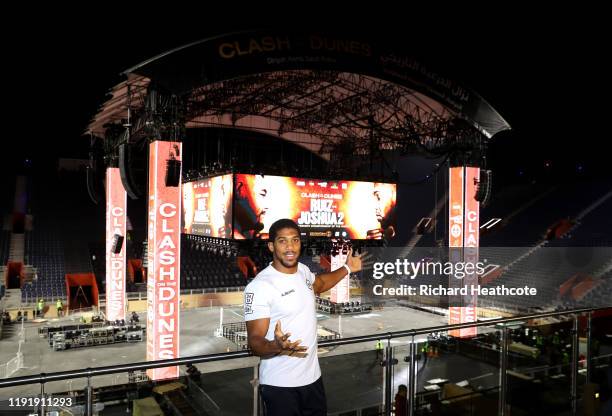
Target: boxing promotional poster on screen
[{"x": 347, "y": 209}]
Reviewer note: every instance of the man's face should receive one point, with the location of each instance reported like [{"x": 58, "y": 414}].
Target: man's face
[
  {"x": 378, "y": 204},
  {"x": 383, "y": 200},
  {"x": 286, "y": 247},
  {"x": 188, "y": 202},
  {"x": 222, "y": 200},
  {"x": 261, "y": 190}
]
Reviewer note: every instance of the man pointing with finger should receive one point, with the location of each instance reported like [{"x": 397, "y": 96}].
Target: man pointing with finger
[{"x": 279, "y": 307}]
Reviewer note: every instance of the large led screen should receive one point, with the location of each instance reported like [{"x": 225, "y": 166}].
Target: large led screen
[
  {"x": 322, "y": 208},
  {"x": 207, "y": 207}
]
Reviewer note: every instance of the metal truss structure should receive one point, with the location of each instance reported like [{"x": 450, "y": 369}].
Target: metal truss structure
[{"x": 332, "y": 113}]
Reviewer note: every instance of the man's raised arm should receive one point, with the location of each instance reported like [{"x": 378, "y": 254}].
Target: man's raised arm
[{"x": 326, "y": 281}]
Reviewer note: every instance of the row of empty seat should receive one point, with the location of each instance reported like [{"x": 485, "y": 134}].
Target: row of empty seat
[
  {"x": 555, "y": 261},
  {"x": 44, "y": 250},
  {"x": 5, "y": 241},
  {"x": 204, "y": 269}
]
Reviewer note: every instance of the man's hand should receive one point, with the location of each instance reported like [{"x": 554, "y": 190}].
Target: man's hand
[
  {"x": 326, "y": 281},
  {"x": 257, "y": 330},
  {"x": 354, "y": 262},
  {"x": 282, "y": 340}
]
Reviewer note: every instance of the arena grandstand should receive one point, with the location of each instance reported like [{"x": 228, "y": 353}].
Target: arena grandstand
[{"x": 125, "y": 271}]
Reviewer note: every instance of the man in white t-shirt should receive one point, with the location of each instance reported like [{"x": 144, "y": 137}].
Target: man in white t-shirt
[{"x": 280, "y": 313}]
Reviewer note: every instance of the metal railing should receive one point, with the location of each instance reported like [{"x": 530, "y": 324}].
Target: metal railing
[
  {"x": 202, "y": 291},
  {"x": 90, "y": 309},
  {"x": 90, "y": 372},
  {"x": 29, "y": 302}
]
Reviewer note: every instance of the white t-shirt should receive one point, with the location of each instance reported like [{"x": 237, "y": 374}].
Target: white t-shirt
[{"x": 290, "y": 298}]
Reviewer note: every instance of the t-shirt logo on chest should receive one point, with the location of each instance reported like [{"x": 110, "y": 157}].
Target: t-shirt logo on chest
[
  {"x": 248, "y": 303},
  {"x": 288, "y": 292}
]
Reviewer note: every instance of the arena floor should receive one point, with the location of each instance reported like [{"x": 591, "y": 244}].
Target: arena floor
[{"x": 197, "y": 337}]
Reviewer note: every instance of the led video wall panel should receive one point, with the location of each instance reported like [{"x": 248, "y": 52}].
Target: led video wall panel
[
  {"x": 322, "y": 208},
  {"x": 207, "y": 207}
]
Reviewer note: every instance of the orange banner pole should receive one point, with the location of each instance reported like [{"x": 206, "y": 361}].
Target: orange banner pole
[
  {"x": 116, "y": 206},
  {"x": 163, "y": 275}
]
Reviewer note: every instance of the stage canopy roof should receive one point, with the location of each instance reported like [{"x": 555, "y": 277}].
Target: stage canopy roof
[{"x": 316, "y": 90}]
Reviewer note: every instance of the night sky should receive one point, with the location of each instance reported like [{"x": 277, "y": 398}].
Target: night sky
[{"x": 542, "y": 79}]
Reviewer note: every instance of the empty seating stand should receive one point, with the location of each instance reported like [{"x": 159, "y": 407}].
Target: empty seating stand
[
  {"x": 548, "y": 266},
  {"x": 202, "y": 269},
  {"x": 5, "y": 240},
  {"x": 45, "y": 251}
]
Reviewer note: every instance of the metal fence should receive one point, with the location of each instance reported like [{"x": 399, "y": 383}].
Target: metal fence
[{"x": 572, "y": 315}]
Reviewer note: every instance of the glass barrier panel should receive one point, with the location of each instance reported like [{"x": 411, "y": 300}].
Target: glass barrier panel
[
  {"x": 597, "y": 391},
  {"x": 539, "y": 376},
  {"x": 452, "y": 375},
  {"x": 353, "y": 378}
]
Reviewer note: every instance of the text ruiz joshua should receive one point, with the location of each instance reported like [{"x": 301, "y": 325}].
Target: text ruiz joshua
[{"x": 321, "y": 213}]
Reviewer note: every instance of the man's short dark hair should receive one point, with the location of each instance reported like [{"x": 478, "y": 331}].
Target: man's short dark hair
[{"x": 281, "y": 224}]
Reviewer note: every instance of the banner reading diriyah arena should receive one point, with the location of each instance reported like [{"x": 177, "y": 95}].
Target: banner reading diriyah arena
[
  {"x": 116, "y": 201},
  {"x": 455, "y": 234},
  {"x": 322, "y": 208},
  {"x": 455, "y": 214},
  {"x": 163, "y": 277}
]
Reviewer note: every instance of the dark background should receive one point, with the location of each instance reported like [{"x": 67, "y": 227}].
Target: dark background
[{"x": 543, "y": 74}]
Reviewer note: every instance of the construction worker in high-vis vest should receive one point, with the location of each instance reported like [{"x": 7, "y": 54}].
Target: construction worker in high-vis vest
[
  {"x": 379, "y": 348},
  {"x": 40, "y": 306},
  {"x": 60, "y": 307},
  {"x": 424, "y": 350}
]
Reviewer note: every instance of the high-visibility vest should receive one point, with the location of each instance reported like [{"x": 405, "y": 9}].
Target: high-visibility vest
[
  {"x": 566, "y": 358},
  {"x": 41, "y": 303},
  {"x": 59, "y": 305}
]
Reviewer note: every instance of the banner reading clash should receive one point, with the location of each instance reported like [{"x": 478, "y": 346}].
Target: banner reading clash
[
  {"x": 463, "y": 234},
  {"x": 322, "y": 208},
  {"x": 116, "y": 201},
  {"x": 470, "y": 245},
  {"x": 163, "y": 282}
]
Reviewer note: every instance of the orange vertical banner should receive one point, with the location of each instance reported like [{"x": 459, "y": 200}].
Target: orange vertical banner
[
  {"x": 116, "y": 206},
  {"x": 463, "y": 241},
  {"x": 472, "y": 208},
  {"x": 455, "y": 212},
  {"x": 470, "y": 244},
  {"x": 163, "y": 274},
  {"x": 455, "y": 234}
]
